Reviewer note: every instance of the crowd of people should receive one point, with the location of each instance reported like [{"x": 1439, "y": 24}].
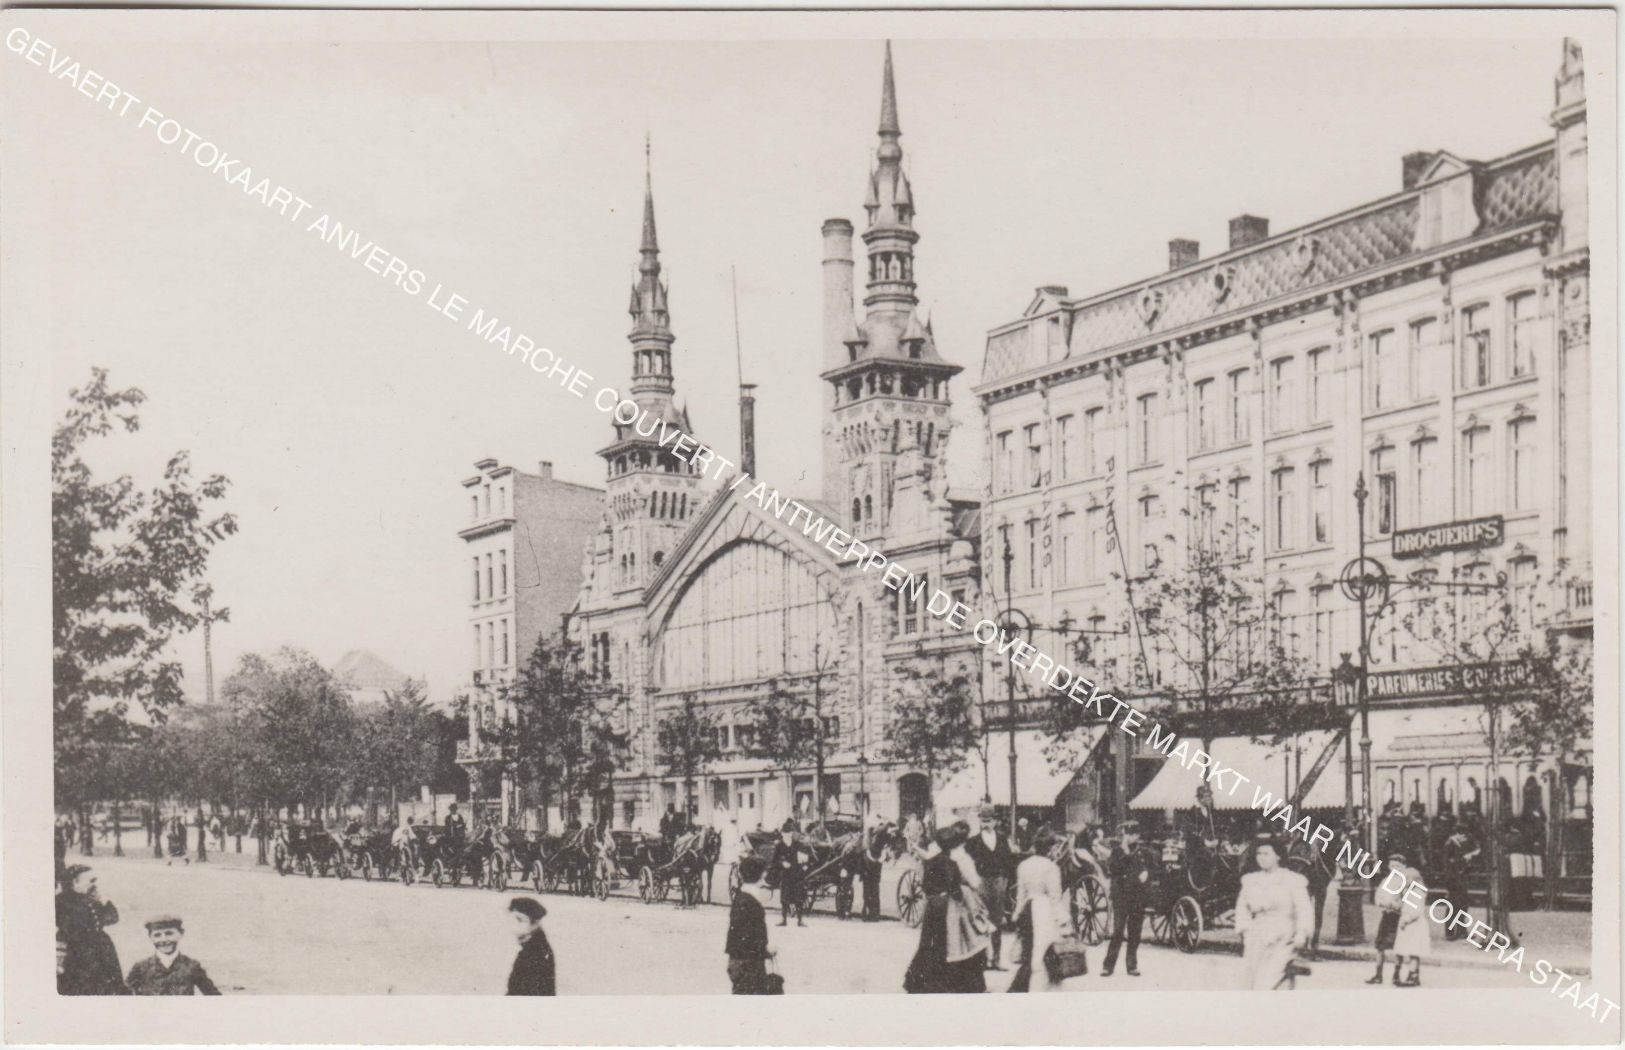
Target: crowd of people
[{"x": 87, "y": 961}]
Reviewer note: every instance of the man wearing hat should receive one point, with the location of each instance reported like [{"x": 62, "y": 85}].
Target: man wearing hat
[
  {"x": 1131, "y": 869},
  {"x": 456, "y": 826},
  {"x": 990, "y": 851},
  {"x": 168, "y": 972},
  {"x": 534, "y": 967},
  {"x": 787, "y": 865}
]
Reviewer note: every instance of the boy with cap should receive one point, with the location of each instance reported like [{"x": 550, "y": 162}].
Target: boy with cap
[
  {"x": 168, "y": 972},
  {"x": 533, "y": 967}
]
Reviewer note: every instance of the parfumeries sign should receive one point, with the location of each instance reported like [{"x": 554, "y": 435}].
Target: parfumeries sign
[
  {"x": 1450, "y": 680},
  {"x": 1472, "y": 534}
]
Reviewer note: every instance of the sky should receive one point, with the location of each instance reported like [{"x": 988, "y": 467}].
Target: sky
[{"x": 346, "y": 414}]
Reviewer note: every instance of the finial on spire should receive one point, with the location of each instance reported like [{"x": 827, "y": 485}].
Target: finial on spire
[
  {"x": 650, "y": 242},
  {"x": 888, "y": 100}
]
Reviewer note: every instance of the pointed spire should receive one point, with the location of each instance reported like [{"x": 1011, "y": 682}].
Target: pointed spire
[
  {"x": 888, "y": 100},
  {"x": 651, "y": 244}
]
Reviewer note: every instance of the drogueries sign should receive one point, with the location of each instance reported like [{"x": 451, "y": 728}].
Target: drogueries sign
[
  {"x": 1451, "y": 680},
  {"x": 1473, "y": 534}
]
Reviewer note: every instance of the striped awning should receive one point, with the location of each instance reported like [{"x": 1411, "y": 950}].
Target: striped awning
[{"x": 1274, "y": 768}]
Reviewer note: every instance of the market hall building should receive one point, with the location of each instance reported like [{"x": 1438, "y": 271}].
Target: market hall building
[
  {"x": 694, "y": 588},
  {"x": 1435, "y": 340}
]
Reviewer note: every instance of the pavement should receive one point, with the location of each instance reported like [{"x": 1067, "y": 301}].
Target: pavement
[{"x": 260, "y": 933}]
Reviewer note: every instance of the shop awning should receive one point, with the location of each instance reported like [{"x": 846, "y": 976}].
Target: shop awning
[
  {"x": 1038, "y": 781},
  {"x": 1174, "y": 786}
]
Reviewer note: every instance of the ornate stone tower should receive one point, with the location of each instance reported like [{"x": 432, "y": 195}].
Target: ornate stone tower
[
  {"x": 886, "y": 395},
  {"x": 650, "y": 493}
]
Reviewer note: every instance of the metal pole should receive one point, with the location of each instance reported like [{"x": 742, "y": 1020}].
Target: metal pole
[
  {"x": 1010, "y": 679},
  {"x": 1365, "y": 661}
]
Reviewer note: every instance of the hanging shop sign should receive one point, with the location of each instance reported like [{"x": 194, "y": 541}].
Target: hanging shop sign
[
  {"x": 1472, "y": 534},
  {"x": 1465, "y": 680}
]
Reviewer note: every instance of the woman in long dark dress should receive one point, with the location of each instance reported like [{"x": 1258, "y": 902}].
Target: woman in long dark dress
[{"x": 943, "y": 963}]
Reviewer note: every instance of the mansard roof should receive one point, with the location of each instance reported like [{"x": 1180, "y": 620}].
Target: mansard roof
[{"x": 1508, "y": 193}]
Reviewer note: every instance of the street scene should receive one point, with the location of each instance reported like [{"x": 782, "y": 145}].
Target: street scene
[{"x": 1223, "y": 624}]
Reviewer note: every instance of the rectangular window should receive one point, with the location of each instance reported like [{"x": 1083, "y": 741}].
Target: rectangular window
[
  {"x": 1321, "y": 599},
  {"x": 1385, "y": 495},
  {"x": 1281, "y": 525},
  {"x": 1148, "y": 531},
  {"x": 476, "y": 577},
  {"x": 1237, "y": 525},
  {"x": 1283, "y": 394},
  {"x": 1319, "y": 384},
  {"x": 476, "y": 645},
  {"x": 1207, "y": 497},
  {"x": 502, "y": 499},
  {"x": 1240, "y": 429},
  {"x": 1202, "y": 410},
  {"x": 1425, "y": 480},
  {"x": 502, "y": 558},
  {"x": 1382, "y": 360},
  {"x": 1475, "y": 451},
  {"x": 1091, "y": 441},
  {"x": 1521, "y": 323},
  {"x": 490, "y": 645},
  {"x": 1521, "y": 443},
  {"x": 1066, "y": 437},
  {"x": 1094, "y": 532},
  {"x": 1065, "y": 572},
  {"x": 504, "y": 643},
  {"x": 1010, "y": 565},
  {"x": 490, "y": 578},
  {"x": 1475, "y": 347},
  {"x": 1423, "y": 358},
  {"x": 1003, "y": 466},
  {"x": 1032, "y": 553},
  {"x": 1320, "y": 502},
  {"x": 1035, "y": 462},
  {"x": 475, "y": 499},
  {"x": 1145, "y": 432},
  {"x": 487, "y": 504}
]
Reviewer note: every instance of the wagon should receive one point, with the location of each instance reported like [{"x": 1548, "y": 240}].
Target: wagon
[
  {"x": 1194, "y": 891},
  {"x": 311, "y": 849},
  {"x": 686, "y": 861}
]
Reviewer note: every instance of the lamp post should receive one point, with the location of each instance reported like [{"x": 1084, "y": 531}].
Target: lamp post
[
  {"x": 1350, "y": 895},
  {"x": 1010, "y": 679},
  {"x": 1365, "y": 679}
]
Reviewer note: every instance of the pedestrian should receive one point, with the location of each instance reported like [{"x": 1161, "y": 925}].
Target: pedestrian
[
  {"x": 1041, "y": 919},
  {"x": 789, "y": 870},
  {"x": 952, "y": 949},
  {"x": 1402, "y": 929},
  {"x": 989, "y": 849},
  {"x": 1130, "y": 870},
  {"x": 168, "y": 972},
  {"x": 748, "y": 946},
  {"x": 533, "y": 967},
  {"x": 90, "y": 964},
  {"x": 1460, "y": 851},
  {"x": 874, "y": 851},
  {"x": 1274, "y": 916},
  {"x": 456, "y": 826},
  {"x": 218, "y": 830}
]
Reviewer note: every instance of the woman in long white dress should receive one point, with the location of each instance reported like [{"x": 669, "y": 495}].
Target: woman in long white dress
[{"x": 1274, "y": 916}]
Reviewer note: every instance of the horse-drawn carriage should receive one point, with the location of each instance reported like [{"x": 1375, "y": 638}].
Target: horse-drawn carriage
[
  {"x": 309, "y": 848},
  {"x": 577, "y": 859},
  {"x": 687, "y": 860},
  {"x": 368, "y": 853},
  {"x": 835, "y": 851}
]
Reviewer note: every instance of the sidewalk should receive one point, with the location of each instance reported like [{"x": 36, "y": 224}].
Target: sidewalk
[{"x": 1562, "y": 938}]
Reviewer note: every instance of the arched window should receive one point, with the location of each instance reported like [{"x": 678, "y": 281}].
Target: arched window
[{"x": 868, "y": 507}]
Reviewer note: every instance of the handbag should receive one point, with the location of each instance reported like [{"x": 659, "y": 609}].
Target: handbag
[
  {"x": 1066, "y": 957},
  {"x": 772, "y": 980}
]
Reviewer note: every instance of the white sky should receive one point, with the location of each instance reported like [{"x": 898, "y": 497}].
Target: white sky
[{"x": 346, "y": 414}]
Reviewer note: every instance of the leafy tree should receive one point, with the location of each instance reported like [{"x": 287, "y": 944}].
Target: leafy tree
[
  {"x": 398, "y": 741},
  {"x": 933, "y": 721},
  {"x": 123, "y": 566},
  {"x": 789, "y": 726},
  {"x": 298, "y": 725},
  {"x": 686, "y": 743}
]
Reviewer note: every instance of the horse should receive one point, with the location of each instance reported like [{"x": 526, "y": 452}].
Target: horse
[{"x": 694, "y": 854}]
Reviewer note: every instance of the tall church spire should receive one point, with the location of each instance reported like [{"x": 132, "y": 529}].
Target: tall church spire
[
  {"x": 890, "y": 204},
  {"x": 888, "y": 102},
  {"x": 651, "y": 334},
  {"x": 651, "y": 244}
]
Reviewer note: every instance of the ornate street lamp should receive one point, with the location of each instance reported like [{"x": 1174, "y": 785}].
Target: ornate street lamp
[{"x": 1350, "y": 895}]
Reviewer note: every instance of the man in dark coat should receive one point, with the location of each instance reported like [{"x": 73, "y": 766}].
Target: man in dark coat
[
  {"x": 533, "y": 967},
  {"x": 748, "y": 949},
  {"x": 787, "y": 863},
  {"x": 1131, "y": 871},
  {"x": 168, "y": 972},
  {"x": 874, "y": 849},
  {"x": 990, "y": 849},
  {"x": 456, "y": 826},
  {"x": 1460, "y": 852},
  {"x": 90, "y": 965}
]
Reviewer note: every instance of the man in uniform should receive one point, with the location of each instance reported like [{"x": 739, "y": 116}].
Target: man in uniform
[
  {"x": 168, "y": 972},
  {"x": 668, "y": 823},
  {"x": 990, "y": 850},
  {"x": 456, "y": 826},
  {"x": 1130, "y": 870},
  {"x": 1459, "y": 853}
]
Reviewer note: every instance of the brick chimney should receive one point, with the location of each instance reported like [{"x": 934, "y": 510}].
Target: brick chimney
[
  {"x": 1182, "y": 252},
  {"x": 1248, "y": 229},
  {"x": 1411, "y": 167},
  {"x": 545, "y": 469}
]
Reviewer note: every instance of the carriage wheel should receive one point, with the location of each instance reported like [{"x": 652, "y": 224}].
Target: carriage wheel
[
  {"x": 456, "y": 872},
  {"x": 438, "y": 873},
  {"x": 843, "y": 899},
  {"x": 1185, "y": 924},
  {"x": 538, "y": 877},
  {"x": 308, "y": 867},
  {"x": 409, "y": 872},
  {"x": 1157, "y": 922},
  {"x": 1091, "y": 910},
  {"x": 496, "y": 874},
  {"x": 646, "y": 885},
  {"x": 366, "y": 867},
  {"x": 734, "y": 882},
  {"x": 663, "y": 887},
  {"x": 341, "y": 866},
  {"x": 910, "y": 898},
  {"x": 280, "y": 859}
]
